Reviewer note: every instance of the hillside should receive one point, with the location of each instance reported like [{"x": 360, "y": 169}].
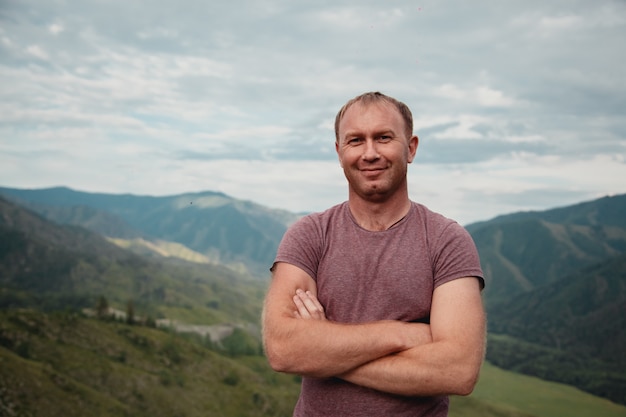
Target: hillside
[
  {"x": 524, "y": 250},
  {"x": 556, "y": 293},
  {"x": 49, "y": 266},
  {"x": 522, "y": 254},
  {"x": 63, "y": 364},
  {"x": 555, "y": 279},
  {"x": 223, "y": 229},
  {"x": 572, "y": 331},
  {"x": 66, "y": 365},
  {"x": 576, "y": 312},
  {"x": 606, "y": 211}
]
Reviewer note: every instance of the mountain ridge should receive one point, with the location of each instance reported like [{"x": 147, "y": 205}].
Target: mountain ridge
[
  {"x": 525, "y": 256},
  {"x": 222, "y": 228}
]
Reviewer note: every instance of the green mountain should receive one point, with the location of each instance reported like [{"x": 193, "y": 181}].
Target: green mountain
[
  {"x": 223, "y": 229},
  {"x": 608, "y": 211},
  {"x": 50, "y": 266},
  {"x": 572, "y": 331},
  {"x": 523, "y": 251},
  {"x": 62, "y": 364},
  {"x": 555, "y": 279},
  {"x": 575, "y": 312},
  {"x": 556, "y": 293}
]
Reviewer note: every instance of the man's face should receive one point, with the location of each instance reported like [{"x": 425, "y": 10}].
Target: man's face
[{"x": 374, "y": 150}]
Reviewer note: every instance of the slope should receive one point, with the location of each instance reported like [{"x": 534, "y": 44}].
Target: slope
[
  {"x": 45, "y": 265},
  {"x": 65, "y": 364},
  {"x": 520, "y": 255},
  {"x": 572, "y": 331},
  {"x": 224, "y": 229}
]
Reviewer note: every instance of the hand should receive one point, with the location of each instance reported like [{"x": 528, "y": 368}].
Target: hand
[{"x": 308, "y": 306}]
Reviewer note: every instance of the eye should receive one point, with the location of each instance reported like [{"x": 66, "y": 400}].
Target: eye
[
  {"x": 354, "y": 141},
  {"x": 384, "y": 138}
]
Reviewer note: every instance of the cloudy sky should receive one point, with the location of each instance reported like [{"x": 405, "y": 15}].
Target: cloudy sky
[{"x": 519, "y": 105}]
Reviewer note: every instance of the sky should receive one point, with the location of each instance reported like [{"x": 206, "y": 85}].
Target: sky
[{"x": 519, "y": 105}]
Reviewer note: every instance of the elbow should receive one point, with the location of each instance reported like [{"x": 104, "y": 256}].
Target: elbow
[
  {"x": 465, "y": 382},
  {"x": 285, "y": 361},
  {"x": 276, "y": 358},
  {"x": 465, "y": 389},
  {"x": 280, "y": 359},
  {"x": 278, "y": 363}
]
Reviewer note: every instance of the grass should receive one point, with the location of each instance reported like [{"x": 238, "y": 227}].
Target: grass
[
  {"x": 532, "y": 396},
  {"x": 64, "y": 364}
]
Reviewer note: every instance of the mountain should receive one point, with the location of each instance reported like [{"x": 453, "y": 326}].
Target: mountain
[
  {"x": 572, "y": 331},
  {"x": 556, "y": 293},
  {"x": 555, "y": 279},
  {"x": 62, "y": 364},
  {"x": 575, "y": 312},
  {"x": 523, "y": 251},
  {"x": 52, "y": 267},
  {"x": 607, "y": 211},
  {"x": 56, "y": 361},
  {"x": 223, "y": 229}
]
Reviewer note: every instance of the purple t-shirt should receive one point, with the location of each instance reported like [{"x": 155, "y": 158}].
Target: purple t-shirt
[{"x": 364, "y": 276}]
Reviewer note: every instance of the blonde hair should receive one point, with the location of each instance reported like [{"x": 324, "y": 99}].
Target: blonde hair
[{"x": 377, "y": 97}]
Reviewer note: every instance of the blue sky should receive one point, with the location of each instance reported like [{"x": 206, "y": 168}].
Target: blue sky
[{"x": 519, "y": 105}]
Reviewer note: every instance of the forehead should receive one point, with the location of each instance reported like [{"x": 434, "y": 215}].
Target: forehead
[{"x": 371, "y": 116}]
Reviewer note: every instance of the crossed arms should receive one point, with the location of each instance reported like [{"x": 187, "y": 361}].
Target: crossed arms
[{"x": 416, "y": 359}]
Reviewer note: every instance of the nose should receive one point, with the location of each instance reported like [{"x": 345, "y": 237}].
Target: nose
[{"x": 370, "y": 151}]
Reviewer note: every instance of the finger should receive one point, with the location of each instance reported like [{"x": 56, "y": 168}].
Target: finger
[
  {"x": 313, "y": 306},
  {"x": 316, "y": 302},
  {"x": 302, "y": 310}
]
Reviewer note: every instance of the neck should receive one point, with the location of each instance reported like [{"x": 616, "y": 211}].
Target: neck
[{"x": 379, "y": 215}]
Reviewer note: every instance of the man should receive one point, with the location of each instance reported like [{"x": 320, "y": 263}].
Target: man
[{"x": 376, "y": 302}]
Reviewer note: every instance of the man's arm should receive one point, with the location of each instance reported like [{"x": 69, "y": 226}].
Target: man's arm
[
  {"x": 319, "y": 347},
  {"x": 448, "y": 365}
]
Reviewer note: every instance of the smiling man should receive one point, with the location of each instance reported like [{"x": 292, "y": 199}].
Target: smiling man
[{"x": 376, "y": 302}]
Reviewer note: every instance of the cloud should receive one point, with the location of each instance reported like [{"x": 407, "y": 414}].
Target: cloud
[
  {"x": 240, "y": 96},
  {"x": 480, "y": 95}
]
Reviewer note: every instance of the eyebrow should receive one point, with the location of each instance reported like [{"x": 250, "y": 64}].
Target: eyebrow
[{"x": 353, "y": 133}]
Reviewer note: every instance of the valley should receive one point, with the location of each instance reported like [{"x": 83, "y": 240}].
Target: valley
[{"x": 193, "y": 281}]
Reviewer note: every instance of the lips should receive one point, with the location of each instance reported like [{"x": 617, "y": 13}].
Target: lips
[
  {"x": 373, "y": 169},
  {"x": 372, "y": 172}
]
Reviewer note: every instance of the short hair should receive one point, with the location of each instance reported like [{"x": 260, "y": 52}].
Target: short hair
[{"x": 377, "y": 97}]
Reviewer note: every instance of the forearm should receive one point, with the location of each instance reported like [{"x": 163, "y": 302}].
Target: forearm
[
  {"x": 325, "y": 348},
  {"x": 428, "y": 370},
  {"x": 298, "y": 339}
]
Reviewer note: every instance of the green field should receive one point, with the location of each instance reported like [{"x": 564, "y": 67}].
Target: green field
[
  {"x": 512, "y": 394},
  {"x": 64, "y": 363}
]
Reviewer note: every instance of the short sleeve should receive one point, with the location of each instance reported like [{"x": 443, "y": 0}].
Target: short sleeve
[
  {"x": 455, "y": 256},
  {"x": 302, "y": 246}
]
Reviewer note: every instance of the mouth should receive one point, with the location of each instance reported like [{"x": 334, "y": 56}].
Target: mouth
[
  {"x": 372, "y": 172},
  {"x": 373, "y": 169}
]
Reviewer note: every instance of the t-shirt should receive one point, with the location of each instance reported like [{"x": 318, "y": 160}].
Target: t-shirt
[{"x": 364, "y": 276}]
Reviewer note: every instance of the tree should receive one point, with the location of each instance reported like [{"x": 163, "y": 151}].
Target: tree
[
  {"x": 102, "y": 307},
  {"x": 130, "y": 312}
]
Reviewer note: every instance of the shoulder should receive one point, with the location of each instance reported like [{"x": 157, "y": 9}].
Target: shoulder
[
  {"x": 320, "y": 220},
  {"x": 432, "y": 220},
  {"x": 303, "y": 243},
  {"x": 439, "y": 229}
]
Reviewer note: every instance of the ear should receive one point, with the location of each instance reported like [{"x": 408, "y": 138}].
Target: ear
[
  {"x": 338, "y": 155},
  {"x": 413, "y": 143}
]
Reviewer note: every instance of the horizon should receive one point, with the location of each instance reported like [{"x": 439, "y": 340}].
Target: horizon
[{"x": 281, "y": 209}]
